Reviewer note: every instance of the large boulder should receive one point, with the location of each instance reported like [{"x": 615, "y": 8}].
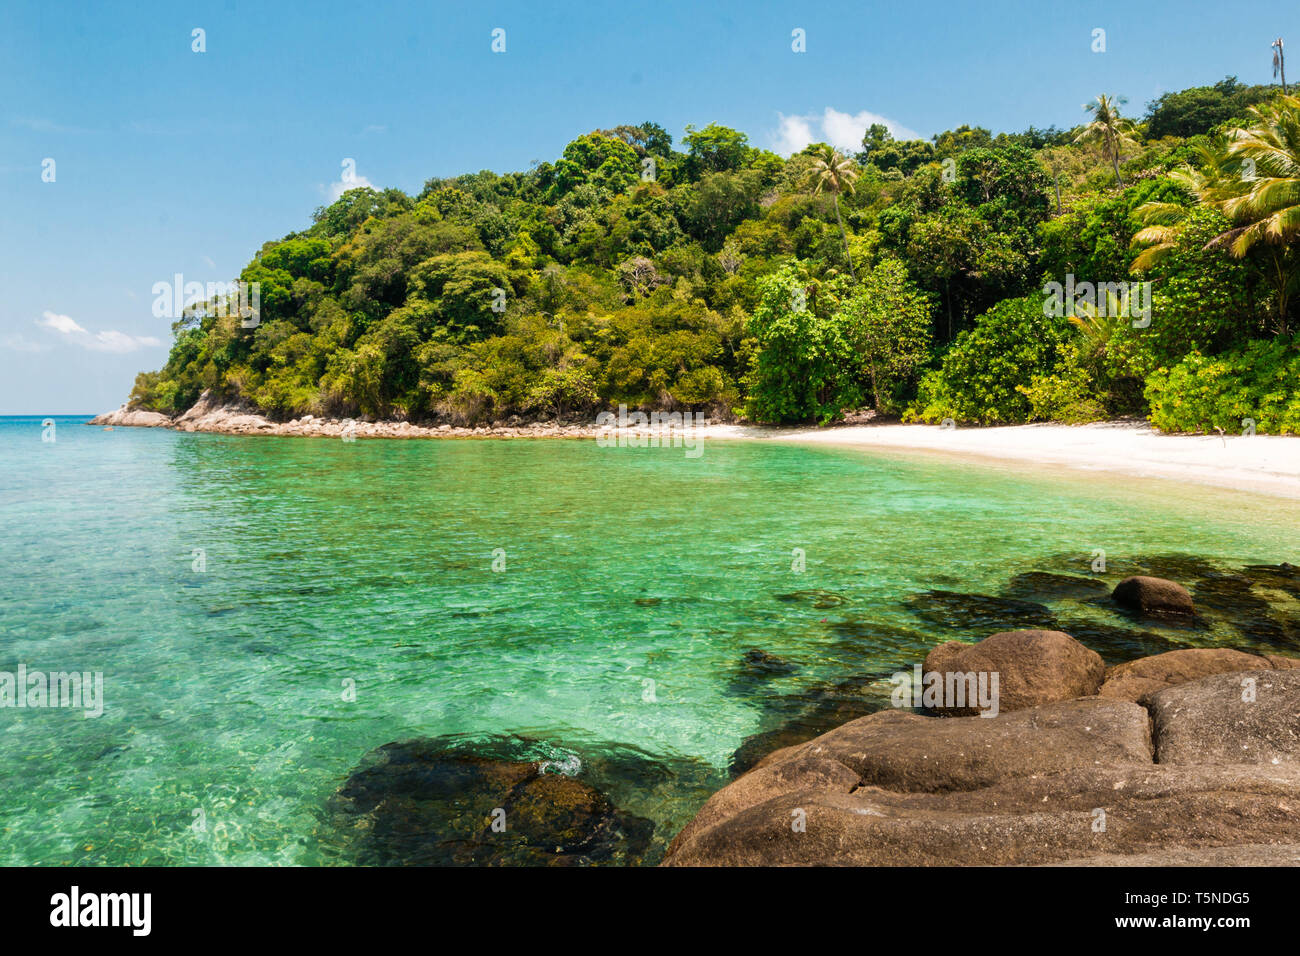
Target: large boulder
[
  {"x": 1068, "y": 782},
  {"x": 1027, "y": 820},
  {"x": 133, "y": 417},
  {"x": 1250, "y": 854},
  {"x": 1137, "y": 680},
  {"x": 1154, "y": 596},
  {"x": 906, "y": 752},
  {"x": 1033, "y": 667},
  {"x": 1247, "y": 717}
]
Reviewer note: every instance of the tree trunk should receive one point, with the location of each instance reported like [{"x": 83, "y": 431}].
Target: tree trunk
[
  {"x": 1282, "y": 291},
  {"x": 947, "y": 294},
  {"x": 1114, "y": 158},
  {"x": 844, "y": 237}
]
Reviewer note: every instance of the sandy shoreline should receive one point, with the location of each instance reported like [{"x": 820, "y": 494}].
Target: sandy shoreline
[{"x": 1264, "y": 464}]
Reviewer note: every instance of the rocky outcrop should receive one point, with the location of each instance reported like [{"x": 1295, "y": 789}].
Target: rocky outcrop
[
  {"x": 1138, "y": 680},
  {"x": 1250, "y": 854},
  {"x": 1026, "y": 820},
  {"x": 1201, "y": 775},
  {"x": 210, "y": 414},
  {"x": 1033, "y": 667},
  {"x": 1155, "y": 596},
  {"x": 907, "y": 753},
  {"x": 1246, "y": 717},
  {"x": 132, "y": 417}
]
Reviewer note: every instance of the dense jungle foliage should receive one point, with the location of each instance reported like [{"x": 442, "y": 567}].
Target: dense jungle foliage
[{"x": 912, "y": 277}]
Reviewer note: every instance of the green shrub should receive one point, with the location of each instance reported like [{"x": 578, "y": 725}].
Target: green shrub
[
  {"x": 1201, "y": 393},
  {"x": 988, "y": 375}
]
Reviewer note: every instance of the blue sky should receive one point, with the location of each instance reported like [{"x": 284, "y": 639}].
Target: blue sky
[{"x": 168, "y": 161}]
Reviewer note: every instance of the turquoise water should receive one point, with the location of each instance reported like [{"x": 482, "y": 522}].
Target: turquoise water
[{"x": 633, "y": 582}]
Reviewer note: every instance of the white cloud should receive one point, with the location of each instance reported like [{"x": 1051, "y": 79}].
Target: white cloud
[
  {"x": 17, "y": 342},
  {"x": 60, "y": 323},
  {"x": 794, "y": 134},
  {"x": 842, "y": 130},
  {"x": 335, "y": 190},
  {"x": 110, "y": 340}
]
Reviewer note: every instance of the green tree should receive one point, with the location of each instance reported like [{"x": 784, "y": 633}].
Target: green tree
[
  {"x": 887, "y": 325},
  {"x": 715, "y": 149},
  {"x": 835, "y": 174},
  {"x": 801, "y": 370},
  {"x": 1112, "y": 131}
]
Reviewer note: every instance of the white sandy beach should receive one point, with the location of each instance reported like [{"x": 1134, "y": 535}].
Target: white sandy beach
[{"x": 1266, "y": 464}]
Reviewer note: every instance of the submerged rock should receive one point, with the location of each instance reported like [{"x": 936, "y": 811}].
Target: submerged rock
[
  {"x": 434, "y": 802},
  {"x": 801, "y": 716},
  {"x": 978, "y": 612},
  {"x": 1044, "y": 586},
  {"x": 761, "y": 664},
  {"x": 756, "y": 668},
  {"x": 1033, "y": 667},
  {"x": 1116, "y": 643},
  {"x": 1283, "y": 577},
  {"x": 816, "y": 598},
  {"x": 1156, "y": 596},
  {"x": 1230, "y": 595}
]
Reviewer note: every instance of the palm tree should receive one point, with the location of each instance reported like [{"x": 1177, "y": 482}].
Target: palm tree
[
  {"x": 1213, "y": 177},
  {"x": 833, "y": 172},
  {"x": 1053, "y": 160},
  {"x": 1253, "y": 179},
  {"x": 1113, "y": 130},
  {"x": 1279, "y": 61},
  {"x": 1267, "y": 207}
]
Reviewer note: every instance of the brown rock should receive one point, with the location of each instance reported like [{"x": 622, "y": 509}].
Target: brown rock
[
  {"x": 1138, "y": 680},
  {"x": 1033, "y": 667},
  {"x": 1247, "y": 717},
  {"x": 1251, "y": 854},
  {"x": 421, "y": 802},
  {"x": 1028, "y": 820},
  {"x": 906, "y": 752},
  {"x": 1154, "y": 596}
]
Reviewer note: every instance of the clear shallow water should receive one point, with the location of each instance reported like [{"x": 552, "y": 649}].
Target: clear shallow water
[{"x": 371, "y": 562}]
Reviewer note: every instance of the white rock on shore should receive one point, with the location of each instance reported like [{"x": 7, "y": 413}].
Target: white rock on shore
[
  {"x": 132, "y": 416},
  {"x": 208, "y": 415}
]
